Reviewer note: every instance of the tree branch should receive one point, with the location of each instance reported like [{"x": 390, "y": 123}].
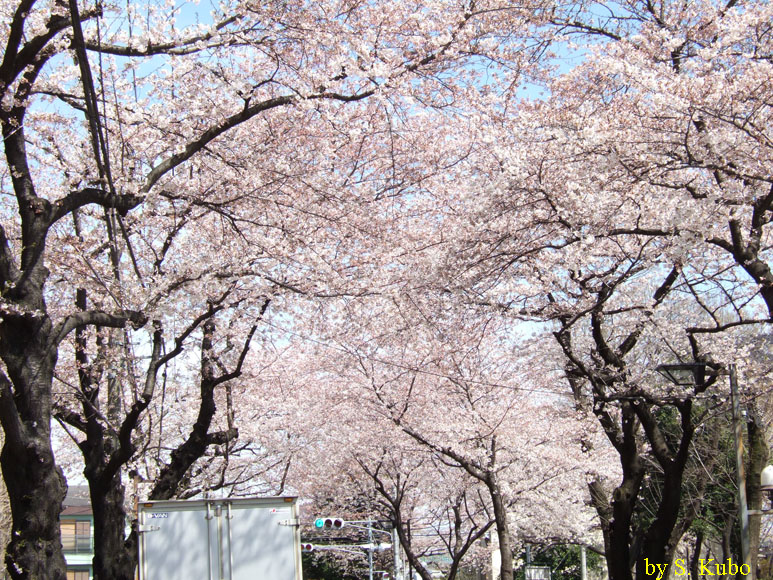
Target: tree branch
[
  {"x": 210, "y": 135},
  {"x": 654, "y": 435},
  {"x": 70, "y": 417},
  {"x": 245, "y": 349},
  {"x": 222, "y": 437},
  {"x": 15, "y": 33},
  {"x": 183, "y": 47},
  {"x": 93, "y": 195},
  {"x": 97, "y": 318},
  {"x": 245, "y": 114}
]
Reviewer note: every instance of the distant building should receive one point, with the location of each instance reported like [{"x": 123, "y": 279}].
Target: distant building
[{"x": 77, "y": 525}]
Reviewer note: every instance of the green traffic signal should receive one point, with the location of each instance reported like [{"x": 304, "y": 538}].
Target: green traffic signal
[{"x": 335, "y": 523}]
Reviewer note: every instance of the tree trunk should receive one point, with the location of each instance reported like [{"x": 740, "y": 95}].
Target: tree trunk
[
  {"x": 758, "y": 458},
  {"x": 503, "y": 528},
  {"x": 727, "y": 534},
  {"x": 113, "y": 558},
  {"x": 36, "y": 490},
  {"x": 697, "y": 554},
  {"x": 600, "y": 503},
  {"x": 655, "y": 548},
  {"x": 405, "y": 541},
  {"x": 663, "y": 535},
  {"x": 36, "y": 485},
  {"x": 620, "y": 557}
]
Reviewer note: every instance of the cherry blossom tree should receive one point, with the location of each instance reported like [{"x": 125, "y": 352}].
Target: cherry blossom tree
[
  {"x": 447, "y": 383},
  {"x": 351, "y": 461},
  {"x": 631, "y": 207},
  {"x": 679, "y": 159},
  {"x": 244, "y": 128},
  {"x": 107, "y": 449}
]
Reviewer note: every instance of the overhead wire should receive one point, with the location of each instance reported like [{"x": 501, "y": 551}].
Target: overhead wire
[
  {"x": 438, "y": 374},
  {"x": 410, "y": 368}
]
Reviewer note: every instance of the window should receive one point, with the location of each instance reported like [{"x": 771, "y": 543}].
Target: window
[
  {"x": 76, "y": 536},
  {"x": 78, "y": 575}
]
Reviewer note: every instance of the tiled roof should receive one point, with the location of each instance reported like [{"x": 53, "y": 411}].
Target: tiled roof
[{"x": 77, "y": 501}]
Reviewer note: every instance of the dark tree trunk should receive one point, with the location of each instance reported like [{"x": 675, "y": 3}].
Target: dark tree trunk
[
  {"x": 659, "y": 537},
  {"x": 112, "y": 557},
  {"x": 656, "y": 544},
  {"x": 36, "y": 486},
  {"x": 727, "y": 535},
  {"x": 618, "y": 540},
  {"x": 35, "y": 549},
  {"x": 697, "y": 554},
  {"x": 619, "y": 557},
  {"x": 115, "y": 554},
  {"x": 758, "y": 459}
]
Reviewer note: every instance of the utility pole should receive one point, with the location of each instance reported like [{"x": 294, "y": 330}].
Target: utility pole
[
  {"x": 370, "y": 551},
  {"x": 743, "y": 509},
  {"x": 396, "y": 554},
  {"x": 410, "y": 564}
]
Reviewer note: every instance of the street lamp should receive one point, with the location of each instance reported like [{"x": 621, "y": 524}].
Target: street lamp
[
  {"x": 696, "y": 374},
  {"x": 766, "y": 484},
  {"x": 766, "y": 479},
  {"x": 687, "y": 374}
]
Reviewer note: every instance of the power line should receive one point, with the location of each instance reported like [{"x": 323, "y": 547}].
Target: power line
[
  {"x": 437, "y": 374},
  {"x": 402, "y": 366}
]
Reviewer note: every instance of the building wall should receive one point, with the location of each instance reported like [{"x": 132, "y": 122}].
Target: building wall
[{"x": 77, "y": 528}]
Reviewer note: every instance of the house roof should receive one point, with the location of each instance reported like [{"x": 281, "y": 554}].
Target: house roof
[{"x": 77, "y": 502}]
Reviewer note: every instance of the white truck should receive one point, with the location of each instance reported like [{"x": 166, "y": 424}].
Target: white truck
[{"x": 220, "y": 539}]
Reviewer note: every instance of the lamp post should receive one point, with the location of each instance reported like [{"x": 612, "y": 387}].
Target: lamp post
[
  {"x": 695, "y": 374},
  {"x": 766, "y": 485},
  {"x": 766, "y": 479}
]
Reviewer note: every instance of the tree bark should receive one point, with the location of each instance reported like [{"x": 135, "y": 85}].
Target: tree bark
[
  {"x": 112, "y": 559},
  {"x": 696, "y": 556},
  {"x": 659, "y": 538},
  {"x": 35, "y": 549},
  {"x": 502, "y": 526},
  {"x": 619, "y": 555},
  {"x": 36, "y": 485},
  {"x": 116, "y": 555},
  {"x": 758, "y": 459}
]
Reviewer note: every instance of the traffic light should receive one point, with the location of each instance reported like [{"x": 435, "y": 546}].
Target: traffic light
[
  {"x": 329, "y": 523},
  {"x": 307, "y": 547}
]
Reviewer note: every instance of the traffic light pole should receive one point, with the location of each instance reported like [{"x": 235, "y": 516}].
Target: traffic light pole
[
  {"x": 370, "y": 552},
  {"x": 740, "y": 471},
  {"x": 396, "y": 554},
  {"x": 338, "y": 523},
  {"x": 371, "y": 529}
]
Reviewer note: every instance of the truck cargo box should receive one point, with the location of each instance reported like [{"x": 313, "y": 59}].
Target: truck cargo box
[{"x": 220, "y": 539}]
